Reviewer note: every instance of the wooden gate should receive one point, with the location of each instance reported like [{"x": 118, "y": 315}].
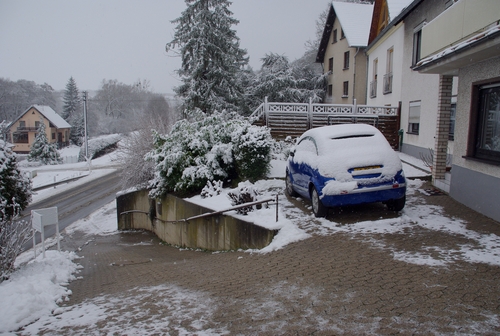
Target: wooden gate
[{"x": 293, "y": 119}]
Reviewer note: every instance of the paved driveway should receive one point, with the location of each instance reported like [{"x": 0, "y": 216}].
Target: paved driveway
[{"x": 414, "y": 280}]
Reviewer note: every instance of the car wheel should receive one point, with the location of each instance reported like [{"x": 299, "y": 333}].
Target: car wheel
[
  {"x": 289, "y": 187},
  {"x": 318, "y": 208},
  {"x": 397, "y": 204}
]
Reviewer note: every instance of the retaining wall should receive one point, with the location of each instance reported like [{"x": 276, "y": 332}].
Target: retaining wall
[{"x": 215, "y": 233}]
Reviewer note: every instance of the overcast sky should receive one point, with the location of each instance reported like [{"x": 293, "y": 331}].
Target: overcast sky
[{"x": 91, "y": 40}]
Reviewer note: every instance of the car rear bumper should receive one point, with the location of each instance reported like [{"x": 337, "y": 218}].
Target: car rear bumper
[{"x": 365, "y": 195}]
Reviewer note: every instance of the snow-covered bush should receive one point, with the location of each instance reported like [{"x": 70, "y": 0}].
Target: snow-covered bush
[
  {"x": 281, "y": 149},
  {"x": 15, "y": 194},
  {"x": 245, "y": 193},
  {"x": 209, "y": 148},
  {"x": 100, "y": 146},
  {"x": 13, "y": 235},
  {"x": 211, "y": 189},
  {"x": 42, "y": 150}
]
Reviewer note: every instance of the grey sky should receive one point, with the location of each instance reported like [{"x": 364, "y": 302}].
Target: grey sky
[{"x": 91, "y": 40}]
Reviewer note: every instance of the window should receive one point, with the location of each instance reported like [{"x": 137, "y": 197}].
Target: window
[
  {"x": 346, "y": 60},
  {"x": 417, "y": 43},
  {"x": 307, "y": 145},
  {"x": 487, "y": 136},
  {"x": 342, "y": 34},
  {"x": 330, "y": 65},
  {"x": 334, "y": 36},
  {"x": 330, "y": 90},
  {"x": 453, "y": 113},
  {"x": 345, "y": 93},
  {"x": 414, "y": 117},
  {"x": 19, "y": 137},
  {"x": 53, "y": 136},
  {"x": 37, "y": 124},
  {"x": 22, "y": 124},
  {"x": 388, "y": 73},
  {"x": 373, "y": 84}
]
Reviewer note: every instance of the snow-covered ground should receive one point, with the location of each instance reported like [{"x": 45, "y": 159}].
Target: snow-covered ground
[{"x": 32, "y": 294}]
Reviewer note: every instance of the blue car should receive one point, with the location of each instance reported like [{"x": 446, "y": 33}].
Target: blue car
[{"x": 345, "y": 164}]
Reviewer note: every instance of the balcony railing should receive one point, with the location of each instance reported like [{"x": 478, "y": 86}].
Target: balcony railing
[
  {"x": 373, "y": 89},
  {"x": 27, "y": 129},
  {"x": 388, "y": 83}
]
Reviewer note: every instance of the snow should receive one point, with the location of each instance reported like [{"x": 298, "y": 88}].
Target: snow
[
  {"x": 31, "y": 297},
  {"x": 356, "y": 31},
  {"x": 51, "y": 115}
]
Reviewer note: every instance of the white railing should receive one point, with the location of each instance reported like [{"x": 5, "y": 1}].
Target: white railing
[{"x": 311, "y": 109}]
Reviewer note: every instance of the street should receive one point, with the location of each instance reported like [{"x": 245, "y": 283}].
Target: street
[{"x": 77, "y": 203}]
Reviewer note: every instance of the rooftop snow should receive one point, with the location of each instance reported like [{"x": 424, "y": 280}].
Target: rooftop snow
[
  {"x": 50, "y": 114},
  {"x": 355, "y": 20}
]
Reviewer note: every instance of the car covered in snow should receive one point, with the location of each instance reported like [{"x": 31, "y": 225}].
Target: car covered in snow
[{"x": 345, "y": 164}]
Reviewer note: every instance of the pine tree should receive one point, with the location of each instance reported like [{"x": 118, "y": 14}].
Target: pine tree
[
  {"x": 211, "y": 56},
  {"x": 72, "y": 101},
  {"x": 77, "y": 129},
  {"x": 15, "y": 188},
  {"x": 42, "y": 150}
]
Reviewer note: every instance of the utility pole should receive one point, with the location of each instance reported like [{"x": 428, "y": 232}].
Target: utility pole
[{"x": 86, "y": 140}]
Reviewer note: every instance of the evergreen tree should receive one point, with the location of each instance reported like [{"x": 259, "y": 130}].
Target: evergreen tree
[
  {"x": 72, "y": 101},
  {"x": 211, "y": 56},
  {"x": 42, "y": 150},
  {"x": 15, "y": 188},
  {"x": 77, "y": 134}
]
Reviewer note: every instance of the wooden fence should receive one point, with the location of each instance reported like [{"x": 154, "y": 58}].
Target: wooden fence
[{"x": 293, "y": 119}]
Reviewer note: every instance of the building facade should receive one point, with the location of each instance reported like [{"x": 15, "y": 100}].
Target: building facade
[
  {"x": 22, "y": 131},
  {"x": 342, "y": 52}
]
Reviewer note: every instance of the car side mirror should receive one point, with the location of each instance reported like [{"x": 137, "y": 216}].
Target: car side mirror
[{"x": 292, "y": 152}]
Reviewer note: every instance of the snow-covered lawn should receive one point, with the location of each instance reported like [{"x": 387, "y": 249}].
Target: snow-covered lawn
[{"x": 35, "y": 289}]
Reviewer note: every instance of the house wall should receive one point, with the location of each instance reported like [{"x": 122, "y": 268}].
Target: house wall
[
  {"x": 393, "y": 39},
  {"x": 474, "y": 183},
  {"x": 419, "y": 87},
  {"x": 30, "y": 117},
  {"x": 340, "y": 75}
]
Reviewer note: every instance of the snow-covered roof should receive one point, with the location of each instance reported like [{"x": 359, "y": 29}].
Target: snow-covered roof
[
  {"x": 52, "y": 116},
  {"x": 355, "y": 20},
  {"x": 396, "y": 7}
]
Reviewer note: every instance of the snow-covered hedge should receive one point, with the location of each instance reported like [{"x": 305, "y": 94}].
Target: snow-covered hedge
[
  {"x": 221, "y": 146},
  {"x": 100, "y": 146}
]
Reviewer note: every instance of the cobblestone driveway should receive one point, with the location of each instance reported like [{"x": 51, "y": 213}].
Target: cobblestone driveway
[{"x": 328, "y": 284}]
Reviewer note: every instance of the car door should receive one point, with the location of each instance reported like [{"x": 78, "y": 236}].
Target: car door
[{"x": 302, "y": 165}]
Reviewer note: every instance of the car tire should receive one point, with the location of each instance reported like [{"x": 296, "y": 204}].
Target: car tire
[
  {"x": 289, "y": 186},
  {"x": 397, "y": 204},
  {"x": 319, "y": 209}
]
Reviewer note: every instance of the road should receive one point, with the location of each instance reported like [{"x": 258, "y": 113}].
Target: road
[{"x": 77, "y": 203}]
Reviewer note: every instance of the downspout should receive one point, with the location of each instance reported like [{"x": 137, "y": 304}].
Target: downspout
[{"x": 354, "y": 77}]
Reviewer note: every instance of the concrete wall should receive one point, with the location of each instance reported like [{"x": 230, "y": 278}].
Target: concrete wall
[{"x": 215, "y": 233}]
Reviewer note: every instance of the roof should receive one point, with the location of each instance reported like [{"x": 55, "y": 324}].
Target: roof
[
  {"x": 48, "y": 113},
  {"x": 398, "y": 10},
  {"x": 355, "y": 20}
]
